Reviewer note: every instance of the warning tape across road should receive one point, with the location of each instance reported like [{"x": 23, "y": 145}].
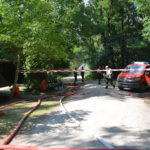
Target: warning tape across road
[{"x": 103, "y": 70}]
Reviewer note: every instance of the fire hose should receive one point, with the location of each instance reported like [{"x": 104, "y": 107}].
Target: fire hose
[
  {"x": 9, "y": 138},
  {"x": 5, "y": 143}
]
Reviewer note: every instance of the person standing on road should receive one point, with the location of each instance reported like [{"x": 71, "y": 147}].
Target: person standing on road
[
  {"x": 82, "y": 74},
  {"x": 75, "y": 76},
  {"x": 108, "y": 77},
  {"x": 99, "y": 75}
]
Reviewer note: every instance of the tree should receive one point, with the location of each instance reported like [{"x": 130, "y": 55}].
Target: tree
[
  {"x": 29, "y": 26},
  {"x": 144, "y": 14},
  {"x": 119, "y": 33}
]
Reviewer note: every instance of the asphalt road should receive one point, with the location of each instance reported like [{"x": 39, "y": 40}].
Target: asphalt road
[{"x": 120, "y": 119}]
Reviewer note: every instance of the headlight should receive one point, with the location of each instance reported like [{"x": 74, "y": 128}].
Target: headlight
[{"x": 118, "y": 79}]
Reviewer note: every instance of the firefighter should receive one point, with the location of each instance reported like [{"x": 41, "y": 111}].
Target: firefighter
[
  {"x": 108, "y": 77},
  {"x": 82, "y": 74},
  {"x": 75, "y": 76}
]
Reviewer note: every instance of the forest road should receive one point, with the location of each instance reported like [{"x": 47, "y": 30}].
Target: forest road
[{"x": 121, "y": 118}]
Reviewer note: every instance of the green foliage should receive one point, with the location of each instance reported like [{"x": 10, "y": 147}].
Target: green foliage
[
  {"x": 31, "y": 26},
  {"x": 118, "y": 38},
  {"x": 91, "y": 76},
  {"x": 34, "y": 80},
  {"x": 144, "y": 14},
  {"x": 7, "y": 51},
  {"x": 54, "y": 34}
]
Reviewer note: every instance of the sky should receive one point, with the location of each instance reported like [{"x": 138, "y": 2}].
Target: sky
[{"x": 86, "y": 1}]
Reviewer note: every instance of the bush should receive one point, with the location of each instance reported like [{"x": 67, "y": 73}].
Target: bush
[
  {"x": 34, "y": 80},
  {"x": 91, "y": 75}
]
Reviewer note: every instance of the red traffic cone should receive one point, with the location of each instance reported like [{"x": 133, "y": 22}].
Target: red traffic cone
[
  {"x": 44, "y": 85},
  {"x": 1, "y": 113},
  {"x": 17, "y": 92}
]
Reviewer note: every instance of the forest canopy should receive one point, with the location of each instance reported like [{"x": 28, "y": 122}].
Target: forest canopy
[{"x": 48, "y": 34}]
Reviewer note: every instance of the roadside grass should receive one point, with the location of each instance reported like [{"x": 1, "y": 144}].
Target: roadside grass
[
  {"x": 91, "y": 76},
  {"x": 23, "y": 89},
  {"x": 14, "y": 113}
]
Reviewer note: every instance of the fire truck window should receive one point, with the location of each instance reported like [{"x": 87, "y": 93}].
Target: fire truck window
[
  {"x": 148, "y": 71},
  {"x": 134, "y": 69}
]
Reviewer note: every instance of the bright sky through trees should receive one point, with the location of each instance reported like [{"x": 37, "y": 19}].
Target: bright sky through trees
[{"x": 86, "y": 1}]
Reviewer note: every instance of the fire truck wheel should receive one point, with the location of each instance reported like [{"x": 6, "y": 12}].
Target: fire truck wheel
[
  {"x": 120, "y": 88},
  {"x": 142, "y": 88}
]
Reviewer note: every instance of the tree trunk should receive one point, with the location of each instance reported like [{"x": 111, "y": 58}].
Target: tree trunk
[
  {"x": 109, "y": 34},
  {"x": 123, "y": 43},
  {"x": 16, "y": 75}
]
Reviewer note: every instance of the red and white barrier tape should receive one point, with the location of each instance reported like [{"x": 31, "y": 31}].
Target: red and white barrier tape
[{"x": 103, "y": 70}]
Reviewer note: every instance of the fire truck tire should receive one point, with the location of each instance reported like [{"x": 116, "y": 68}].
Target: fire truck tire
[
  {"x": 142, "y": 88},
  {"x": 120, "y": 88}
]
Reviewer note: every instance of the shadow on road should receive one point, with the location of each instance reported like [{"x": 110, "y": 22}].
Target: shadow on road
[{"x": 124, "y": 134}]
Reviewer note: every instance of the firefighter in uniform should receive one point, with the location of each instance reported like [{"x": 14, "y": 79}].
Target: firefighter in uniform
[
  {"x": 108, "y": 77},
  {"x": 75, "y": 76}
]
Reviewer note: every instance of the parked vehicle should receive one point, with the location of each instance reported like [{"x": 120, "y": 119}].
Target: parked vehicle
[{"x": 135, "y": 76}]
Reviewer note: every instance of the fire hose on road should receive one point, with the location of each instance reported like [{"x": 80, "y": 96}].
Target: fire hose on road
[{"x": 11, "y": 136}]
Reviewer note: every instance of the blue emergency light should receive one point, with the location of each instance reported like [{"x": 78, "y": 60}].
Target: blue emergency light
[{"x": 139, "y": 62}]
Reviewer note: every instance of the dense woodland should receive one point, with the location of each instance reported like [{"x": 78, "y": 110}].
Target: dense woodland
[{"x": 58, "y": 34}]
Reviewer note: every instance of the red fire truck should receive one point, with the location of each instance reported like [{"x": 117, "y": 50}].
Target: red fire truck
[{"x": 135, "y": 76}]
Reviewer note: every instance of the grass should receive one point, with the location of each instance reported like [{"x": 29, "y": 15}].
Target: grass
[
  {"x": 23, "y": 89},
  {"x": 14, "y": 113},
  {"x": 9, "y": 120}
]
